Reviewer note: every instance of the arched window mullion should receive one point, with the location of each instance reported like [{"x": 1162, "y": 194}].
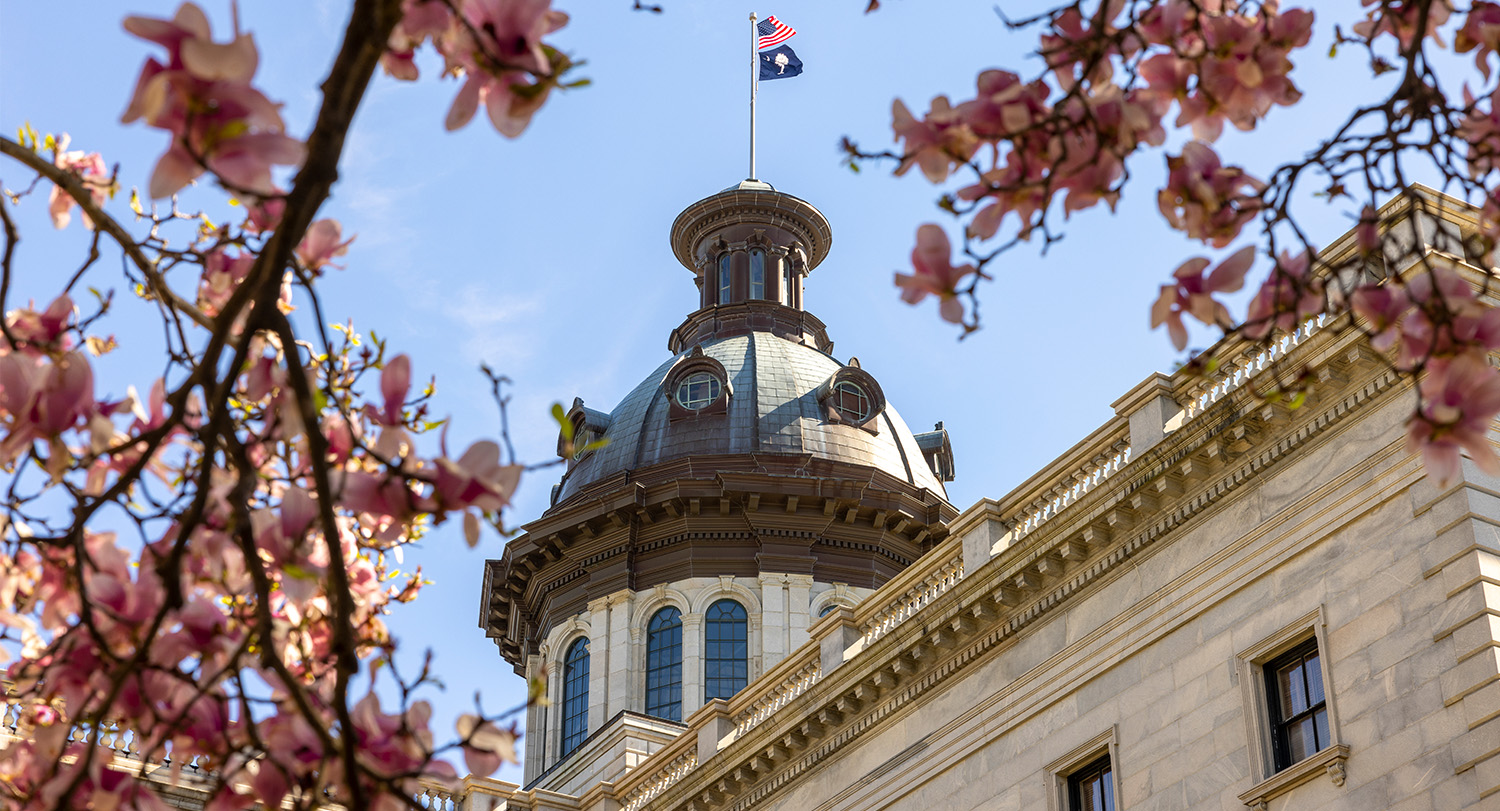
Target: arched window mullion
[{"x": 726, "y": 650}]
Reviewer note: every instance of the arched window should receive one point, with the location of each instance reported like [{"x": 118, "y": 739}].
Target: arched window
[
  {"x": 828, "y": 609},
  {"x": 724, "y": 279},
  {"x": 575, "y": 703},
  {"x": 726, "y": 650},
  {"x": 664, "y": 664},
  {"x": 757, "y": 274}
]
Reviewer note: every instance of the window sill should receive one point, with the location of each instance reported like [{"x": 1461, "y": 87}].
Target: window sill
[{"x": 1329, "y": 761}]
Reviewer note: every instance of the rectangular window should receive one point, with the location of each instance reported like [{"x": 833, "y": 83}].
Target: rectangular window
[
  {"x": 1291, "y": 713},
  {"x": 1092, "y": 788},
  {"x": 724, "y": 279},
  {"x": 1297, "y": 704}
]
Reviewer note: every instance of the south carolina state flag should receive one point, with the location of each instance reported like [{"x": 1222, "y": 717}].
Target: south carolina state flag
[{"x": 779, "y": 63}]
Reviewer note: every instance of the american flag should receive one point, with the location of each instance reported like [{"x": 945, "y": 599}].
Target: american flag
[{"x": 773, "y": 32}]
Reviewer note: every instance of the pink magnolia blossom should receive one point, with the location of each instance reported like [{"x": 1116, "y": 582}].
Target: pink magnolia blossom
[
  {"x": 1460, "y": 398},
  {"x": 485, "y": 745},
  {"x": 202, "y": 95},
  {"x": 1481, "y": 34},
  {"x": 321, "y": 244},
  {"x": 1289, "y": 296},
  {"x": 1400, "y": 18},
  {"x": 395, "y": 383},
  {"x": 222, "y": 274},
  {"x": 935, "y": 142},
  {"x": 420, "y": 20},
  {"x": 1193, "y": 293},
  {"x": 47, "y": 328},
  {"x": 499, "y": 50},
  {"x": 91, "y": 172},
  {"x": 476, "y": 479},
  {"x": 1205, "y": 199},
  {"x": 935, "y": 273}
]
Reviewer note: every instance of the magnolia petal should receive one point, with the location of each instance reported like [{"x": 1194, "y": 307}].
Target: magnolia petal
[
  {"x": 175, "y": 169},
  {"x": 1229, "y": 276},
  {"x": 465, "y": 104},
  {"x": 230, "y": 61},
  {"x": 471, "y": 528}
]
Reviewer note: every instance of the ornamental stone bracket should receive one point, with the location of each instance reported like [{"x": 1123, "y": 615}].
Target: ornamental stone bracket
[{"x": 1329, "y": 761}]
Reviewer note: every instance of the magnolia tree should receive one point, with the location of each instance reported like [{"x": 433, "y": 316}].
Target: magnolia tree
[
  {"x": 1118, "y": 74},
  {"x": 208, "y": 564}
]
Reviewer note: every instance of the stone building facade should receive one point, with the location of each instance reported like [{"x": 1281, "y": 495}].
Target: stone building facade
[{"x": 1211, "y": 602}]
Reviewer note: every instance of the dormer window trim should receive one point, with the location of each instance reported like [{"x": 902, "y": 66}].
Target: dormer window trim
[
  {"x": 696, "y": 363},
  {"x": 852, "y": 382}
]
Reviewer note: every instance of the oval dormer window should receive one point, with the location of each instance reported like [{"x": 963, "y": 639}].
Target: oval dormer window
[
  {"x": 698, "y": 390},
  {"x": 851, "y": 401}
]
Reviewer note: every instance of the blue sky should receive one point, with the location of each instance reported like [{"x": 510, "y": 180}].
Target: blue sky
[{"x": 548, "y": 258}]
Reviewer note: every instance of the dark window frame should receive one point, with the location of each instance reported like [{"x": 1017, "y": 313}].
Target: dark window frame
[
  {"x": 664, "y": 664},
  {"x": 726, "y": 649},
  {"x": 1282, "y": 722},
  {"x": 1099, "y": 770},
  {"x": 575, "y": 702}
]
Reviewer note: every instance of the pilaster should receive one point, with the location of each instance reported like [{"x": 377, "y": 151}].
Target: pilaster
[
  {"x": 774, "y": 636},
  {"x": 692, "y": 663},
  {"x": 618, "y": 679},
  {"x": 598, "y": 662},
  {"x": 799, "y": 609}
]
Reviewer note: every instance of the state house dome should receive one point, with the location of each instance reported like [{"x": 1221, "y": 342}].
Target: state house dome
[
  {"x": 752, "y": 456},
  {"x": 778, "y": 396}
]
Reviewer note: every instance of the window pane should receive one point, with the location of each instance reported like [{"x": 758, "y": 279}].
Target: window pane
[
  {"x": 1313, "y": 671},
  {"x": 1301, "y": 740},
  {"x": 724, "y": 279},
  {"x": 664, "y": 665},
  {"x": 1320, "y": 720},
  {"x": 1293, "y": 692}
]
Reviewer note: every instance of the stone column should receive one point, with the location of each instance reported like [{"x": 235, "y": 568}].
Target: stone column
[{"x": 692, "y": 663}]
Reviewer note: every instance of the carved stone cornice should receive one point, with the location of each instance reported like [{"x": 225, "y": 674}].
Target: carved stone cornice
[{"x": 848, "y": 523}]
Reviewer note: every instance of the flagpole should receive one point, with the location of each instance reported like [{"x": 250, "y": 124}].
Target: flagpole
[{"x": 754, "y": 88}]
